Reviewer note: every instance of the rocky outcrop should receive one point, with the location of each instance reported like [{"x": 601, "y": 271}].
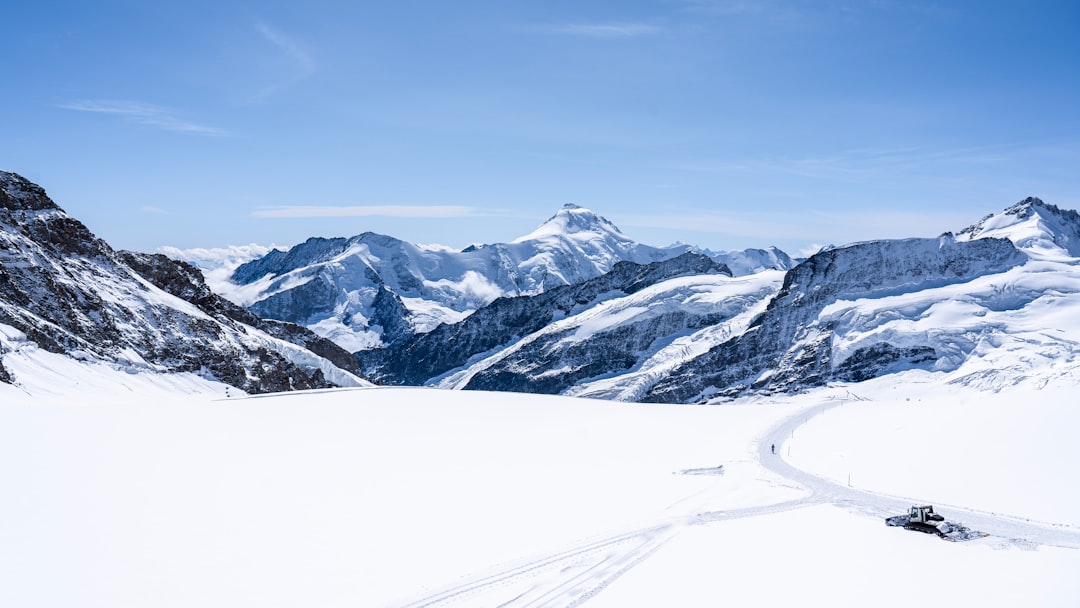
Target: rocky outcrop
[
  {"x": 187, "y": 283},
  {"x": 787, "y": 348},
  {"x": 277, "y": 262},
  {"x": 556, "y": 362},
  {"x": 391, "y": 316},
  {"x": 424, "y": 357},
  {"x": 70, "y": 293}
]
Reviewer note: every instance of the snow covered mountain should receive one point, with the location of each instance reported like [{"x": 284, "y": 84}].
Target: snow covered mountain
[
  {"x": 963, "y": 305},
  {"x": 423, "y": 357},
  {"x": 371, "y": 290},
  {"x": 66, "y": 291},
  {"x": 573, "y": 308},
  {"x": 958, "y": 304},
  {"x": 620, "y": 348}
]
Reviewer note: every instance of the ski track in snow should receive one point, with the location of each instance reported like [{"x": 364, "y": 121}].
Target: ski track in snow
[
  {"x": 571, "y": 577},
  {"x": 564, "y": 579}
]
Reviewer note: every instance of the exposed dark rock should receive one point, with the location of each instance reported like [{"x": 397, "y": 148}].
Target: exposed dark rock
[
  {"x": 298, "y": 305},
  {"x": 423, "y": 357},
  {"x": 873, "y": 361},
  {"x": 186, "y": 282},
  {"x": 391, "y": 315},
  {"x": 552, "y": 365},
  {"x": 278, "y": 262},
  {"x": 785, "y": 349},
  {"x": 70, "y": 293}
]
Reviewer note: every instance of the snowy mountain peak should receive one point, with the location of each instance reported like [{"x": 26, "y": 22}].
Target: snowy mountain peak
[
  {"x": 1038, "y": 228},
  {"x": 333, "y": 286},
  {"x": 1024, "y": 207},
  {"x": 574, "y": 222}
]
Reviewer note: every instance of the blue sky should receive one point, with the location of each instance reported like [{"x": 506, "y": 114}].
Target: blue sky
[{"x": 722, "y": 123}]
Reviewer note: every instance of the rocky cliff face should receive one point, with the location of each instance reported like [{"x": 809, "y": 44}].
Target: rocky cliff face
[
  {"x": 70, "y": 293},
  {"x": 617, "y": 343},
  {"x": 186, "y": 282},
  {"x": 422, "y": 358},
  {"x": 790, "y": 345}
]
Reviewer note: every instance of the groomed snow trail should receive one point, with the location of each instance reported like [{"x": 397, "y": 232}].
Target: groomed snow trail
[
  {"x": 571, "y": 577},
  {"x": 1003, "y": 528}
]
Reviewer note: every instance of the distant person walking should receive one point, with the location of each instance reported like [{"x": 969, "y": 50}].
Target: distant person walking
[{"x": 774, "y": 448}]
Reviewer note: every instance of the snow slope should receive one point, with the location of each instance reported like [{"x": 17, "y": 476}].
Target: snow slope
[
  {"x": 46, "y": 378},
  {"x": 422, "y": 497}
]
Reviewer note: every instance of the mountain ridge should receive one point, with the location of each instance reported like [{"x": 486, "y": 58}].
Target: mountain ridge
[
  {"x": 424, "y": 357},
  {"x": 807, "y": 330},
  {"x": 333, "y": 285},
  {"x": 986, "y": 306},
  {"x": 70, "y": 293}
]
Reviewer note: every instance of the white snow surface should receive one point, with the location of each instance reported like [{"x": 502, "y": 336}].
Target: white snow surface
[
  {"x": 45, "y": 378},
  {"x": 137, "y": 489}
]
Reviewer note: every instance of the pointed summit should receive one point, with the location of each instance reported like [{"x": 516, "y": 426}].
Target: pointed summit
[
  {"x": 576, "y": 222},
  {"x": 1039, "y": 228},
  {"x": 1023, "y": 208}
]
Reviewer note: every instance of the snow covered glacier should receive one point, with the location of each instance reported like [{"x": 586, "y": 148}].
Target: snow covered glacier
[{"x": 952, "y": 303}]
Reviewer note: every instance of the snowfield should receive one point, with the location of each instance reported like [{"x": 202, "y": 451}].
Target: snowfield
[{"x": 127, "y": 491}]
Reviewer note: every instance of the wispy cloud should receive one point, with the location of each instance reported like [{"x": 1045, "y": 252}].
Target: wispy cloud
[
  {"x": 604, "y": 30},
  {"x": 296, "y": 54},
  {"x": 154, "y": 210},
  {"x": 143, "y": 113},
  {"x": 406, "y": 211},
  {"x": 290, "y": 63}
]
